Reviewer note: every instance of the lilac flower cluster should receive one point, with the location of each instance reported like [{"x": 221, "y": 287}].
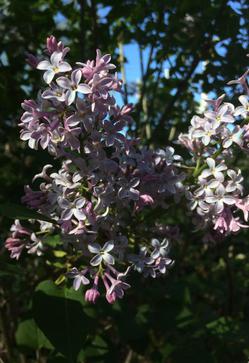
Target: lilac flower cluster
[
  {"x": 23, "y": 238},
  {"x": 216, "y": 195},
  {"x": 105, "y": 180}
]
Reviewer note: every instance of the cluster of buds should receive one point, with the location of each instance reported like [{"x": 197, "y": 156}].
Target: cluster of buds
[{"x": 107, "y": 180}]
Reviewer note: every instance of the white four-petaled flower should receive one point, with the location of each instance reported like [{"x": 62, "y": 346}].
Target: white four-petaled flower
[
  {"x": 101, "y": 253},
  {"x": 214, "y": 170},
  {"x": 54, "y": 66}
]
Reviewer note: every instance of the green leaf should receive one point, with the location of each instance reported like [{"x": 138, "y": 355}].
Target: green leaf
[
  {"x": 59, "y": 254},
  {"x": 59, "y": 314},
  {"x": 52, "y": 241},
  {"x": 16, "y": 211},
  {"x": 29, "y": 335}
]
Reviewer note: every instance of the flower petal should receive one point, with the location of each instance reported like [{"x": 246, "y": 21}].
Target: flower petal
[
  {"x": 64, "y": 67},
  {"x": 48, "y": 76},
  {"x": 108, "y": 246},
  {"x": 67, "y": 214},
  {"x": 64, "y": 82},
  {"x": 84, "y": 88},
  {"x": 56, "y": 58},
  {"x": 80, "y": 215},
  {"x": 96, "y": 260},
  {"x": 94, "y": 247},
  {"x": 243, "y": 100},
  {"x": 77, "y": 282},
  {"x": 211, "y": 163},
  {"x": 76, "y": 76},
  {"x": 44, "y": 65},
  {"x": 70, "y": 97},
  {"x": 108, "y": 258}
]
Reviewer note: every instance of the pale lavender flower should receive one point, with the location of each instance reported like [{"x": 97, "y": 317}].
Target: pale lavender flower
[
  {"x": 114, "y": 288},
  {"x": 73, "y": 86},
  {"x": 54, "y": 66},
  {"x": 167, "y": 155},
  {"x": 112, "y": 134},
  {"x": 129, "y": 190},
  {"x": 213, "y": 170},
  {"x": 220, "y": 198},
  {"x": 35, "y": 246},
  {"x": 223, "y": 114},
  {"x": 54, "y": 93},
  {"x": 72, "y": 209},
  {"x": 64, "y": 179},
  {"x": 101, "y": 253},
  {"x": 141, "y": 260},
  {"x": 117, "y": 286},
  {"x": 160, "y": 248},
  {"x": 78, "y": 277},
  {"x": 206, "y": 134},
  {"x": 234, "y": 184},
  {"x": 32, "y": 111},
  {"x": 163, "y": 263},
  {"x": 81, "y": 116},
  {"x": 206, "y": 186}
]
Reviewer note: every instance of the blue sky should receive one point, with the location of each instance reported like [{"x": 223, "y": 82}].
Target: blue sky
[{"x": 131, "y": 51}]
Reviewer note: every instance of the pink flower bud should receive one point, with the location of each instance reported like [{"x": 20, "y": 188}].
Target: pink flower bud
[{"x": 91, "y": 295}]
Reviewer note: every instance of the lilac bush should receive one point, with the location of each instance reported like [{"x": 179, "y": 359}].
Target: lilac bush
[{"x": 106, "y": 179}]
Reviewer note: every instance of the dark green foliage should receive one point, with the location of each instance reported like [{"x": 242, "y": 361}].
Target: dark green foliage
[{"x": 12, "y": 210}]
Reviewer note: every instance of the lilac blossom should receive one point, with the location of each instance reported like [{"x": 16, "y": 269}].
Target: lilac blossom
[
  {"x": 234, "y": 184},
  {"x": 209, "y": 129},
  {"x": 223, "y": 114},
  {"x": 101, "y": 253},
  {"x": 220, "y": 198},
  {"x": 141, "y": 260},
  {"x": 73, "y": 86},
  {"x": 215, "y": 171},
  {"x": 160, "y": 249},
  {"x": 54, "y": 66},
  {"x": 163, "y": 264},
  {"x": 72, "y": 209},
  {"x": 106, "y": 179},
  {"x": 78, "y": 277}
]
